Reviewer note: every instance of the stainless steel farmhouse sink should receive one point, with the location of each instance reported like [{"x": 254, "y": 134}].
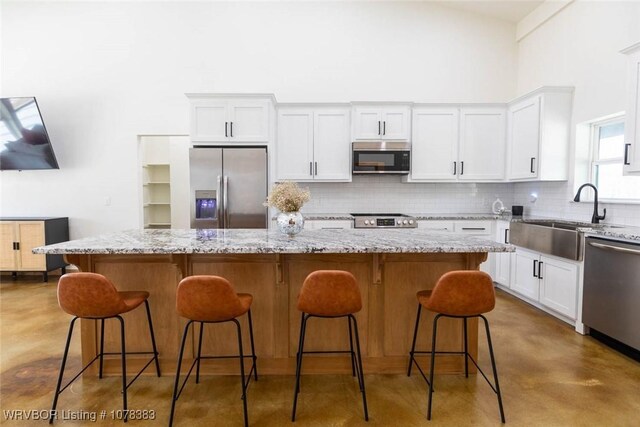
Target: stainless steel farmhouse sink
[{"x": 561, "y": 239}]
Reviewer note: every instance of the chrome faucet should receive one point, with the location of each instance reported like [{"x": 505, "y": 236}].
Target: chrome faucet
[{"x": 595, "y": 218}]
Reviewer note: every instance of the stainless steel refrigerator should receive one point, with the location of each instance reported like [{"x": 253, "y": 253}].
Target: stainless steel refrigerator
[{"x": 228, "y": 187}]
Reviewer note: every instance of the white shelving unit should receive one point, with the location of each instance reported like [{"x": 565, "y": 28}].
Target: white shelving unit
[{"x": 156, "y": 182}]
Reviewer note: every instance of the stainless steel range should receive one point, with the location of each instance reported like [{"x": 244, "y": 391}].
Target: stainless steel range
[{"x": 384, "y": 220}]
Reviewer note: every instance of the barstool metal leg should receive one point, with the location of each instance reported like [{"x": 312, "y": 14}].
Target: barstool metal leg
[
  {"x": 353, "y": 355},
  {"x": 303, "y": 328},
  {"x": 153, "y": 337},
  {"x": 253, "y": 349},
  {"x": 199, "y": 354},
  {"x": 466, "y": 349},
  {"x": 413, "y": 344},
  {"x": 244, "y": 386},
  {"x": 361, "y": 372},
  {"x": 175, "y": 387},
  {"x": 124, "y": 369},
  {"x": 64, "y": 362},
  {"x": 433, "y": 362},
  {"x": 493, "y": 366},
  {"x": 101, "y": 346}
]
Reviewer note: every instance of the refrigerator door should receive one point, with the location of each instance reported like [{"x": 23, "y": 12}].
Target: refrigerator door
[
  {"x": 245, "y": 187},
  {"x": 205, "y": 169}
]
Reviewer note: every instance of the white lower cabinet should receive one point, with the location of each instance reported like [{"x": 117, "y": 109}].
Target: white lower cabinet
[
  {"x": 327, "y": 224},
  {"x": 550, "y": 281}
]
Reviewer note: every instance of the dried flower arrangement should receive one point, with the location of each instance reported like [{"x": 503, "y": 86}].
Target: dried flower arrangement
[{"x": 287, "y": 197}]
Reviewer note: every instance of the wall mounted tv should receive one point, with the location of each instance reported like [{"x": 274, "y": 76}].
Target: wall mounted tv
[{"x": 24, "y": 142}]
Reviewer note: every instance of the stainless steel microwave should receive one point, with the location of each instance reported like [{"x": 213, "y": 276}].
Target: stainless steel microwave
[{"x": 381, "y": 157}]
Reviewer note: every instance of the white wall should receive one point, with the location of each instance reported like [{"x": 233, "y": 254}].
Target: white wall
[
  {"x": 107, "y": 72},
  {"x": 580, "y": 47}
]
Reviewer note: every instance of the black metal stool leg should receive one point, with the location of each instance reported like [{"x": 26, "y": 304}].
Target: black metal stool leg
[
  {"x": 357, "y": 366},
  {"x": 64, "y": 362},
  {"x": 361, "y": 372},
  {"x": 199, "y": 354},
  {"x": 153, "y": 337},
  {"x": 493, "y": 365},
  {"x": 353, "y": 355},
  {"x": 303, "y": 328},
  {"x": 175, "y": 387},
  {"x": 466, "y": 349},
  {"x": 244, "y": 386},
  {"x": 433, "y": 363},
  {"x": 101, "y": 346},
  {"x": 253, "y": 349},
  {"x": 413, "y": 344},
  {"x": 124, "y": 369}
]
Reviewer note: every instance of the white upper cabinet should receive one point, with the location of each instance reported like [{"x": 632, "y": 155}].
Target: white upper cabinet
[
  {"x": 456, "y": 144},
  {"x": 313, "y": 144},
  {"x": 381, "y": 123},
  {"x": 538, "y": 135},
  {"x": 482, "y": 144},
  {"x": 228, "y": 119},
  {"x": 632, "y": 118}
]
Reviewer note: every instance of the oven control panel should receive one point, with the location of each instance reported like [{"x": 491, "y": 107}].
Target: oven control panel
[{"x": 384, "y": 221}]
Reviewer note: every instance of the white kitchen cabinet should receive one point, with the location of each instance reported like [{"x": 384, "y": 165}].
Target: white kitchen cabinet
[
  {"x": 632, "y": 117},
  {"x": 313, "y": 144},
  {"x": 538, "y": 135},
  {"x": 435, "y": 225},
  {"x": 458, "y": 144},
  {"x": 503, "y": 259},
  {"x": 220, "y": 118},
  {"x": 551, "y": 281},
  {"x": 328, "y": 224},
  {"x": 381, "y": 123}
]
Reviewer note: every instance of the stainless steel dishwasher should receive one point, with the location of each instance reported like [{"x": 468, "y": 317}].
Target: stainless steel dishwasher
[{"x": 611, "y": 302}]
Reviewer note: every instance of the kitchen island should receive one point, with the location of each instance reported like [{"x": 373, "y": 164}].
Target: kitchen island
[{"x": 391, "y": 265}]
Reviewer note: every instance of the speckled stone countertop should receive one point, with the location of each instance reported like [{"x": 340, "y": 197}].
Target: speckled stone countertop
[
  {"x": 419, "y": 216},
  {"x": 260, "y": 241}
]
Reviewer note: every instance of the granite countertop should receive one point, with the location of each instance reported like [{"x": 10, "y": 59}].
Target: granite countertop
[
  {"x": 418, "y": 216},
  {"x": 261, "y": 241}
]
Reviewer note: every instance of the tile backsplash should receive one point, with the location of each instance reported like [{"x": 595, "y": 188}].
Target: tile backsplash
[{"x": 387, "y": 193}]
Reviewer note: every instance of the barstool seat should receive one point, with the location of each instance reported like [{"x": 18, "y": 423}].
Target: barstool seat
[
  {"x": 212, "y": 299},
  {"x": 93, "y": 296},
  {"x": 330, "y": 294},
  {"x": 457, "y": 294}
]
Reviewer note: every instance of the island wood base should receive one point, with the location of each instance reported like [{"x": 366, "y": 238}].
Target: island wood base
[{"x": 388, "y": 283}]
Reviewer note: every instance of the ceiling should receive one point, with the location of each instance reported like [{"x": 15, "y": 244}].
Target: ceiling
[{"x": 508, "y": 10}]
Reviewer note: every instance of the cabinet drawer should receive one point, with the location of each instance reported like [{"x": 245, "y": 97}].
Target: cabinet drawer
[
  {"x": 328, "y": 224},
  {"x": 436, "y": 225},
  {"x": 473, "y": 227}
]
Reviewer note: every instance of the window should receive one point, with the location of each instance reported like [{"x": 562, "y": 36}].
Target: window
[{"x": 608, "y": 152}]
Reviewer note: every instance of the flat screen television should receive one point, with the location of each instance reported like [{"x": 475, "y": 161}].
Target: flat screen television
[{"x": 24, "y": 142}]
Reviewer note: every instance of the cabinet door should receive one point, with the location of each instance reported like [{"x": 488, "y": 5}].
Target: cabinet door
[
  {"x": 31, "y": 235},
  {"x": 248, "y": 121},
  {"x": 367, "y": 123},
  {"x": 331, "y": 148},
  {"x": 434, "y": 146},
  {"x": 524, "y": 274},
  {"x": 632, "y": 119},
  {"x": 396, "y": 123},
  {"x": 559, "y": 285},
  {"x": 7, "y": 239},
  {"x": 482, "y": 144},
  {"x": 294, "y": 148},
  {"x": 524, "y": 139},
  {"x": 503, "y": 259},
  {"x": 209, "y": 121}
]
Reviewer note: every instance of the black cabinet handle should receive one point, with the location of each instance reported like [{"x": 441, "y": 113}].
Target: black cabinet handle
[
  {"x": 231, "y": 129},
  {"x": 225, "y": 129},
  {"x": 626, "y": 154},
  {"x": 384, "y": 127},
  {"x": 316, "y": 172},
  {"x": 506, "y": 237},
  {"x": 378, "y": 127},
  {"x": 532, "y": 160},
  {"x": 454, "y": 167},
  {"x": 535, "y": 261},
  {"x": 474, "y": 228},
  {"x": 311, "y": 168},
  {"x": 540, "y": 270},
  {"x": 15, "y": 246},
  {"x": 461, "y": 168}
]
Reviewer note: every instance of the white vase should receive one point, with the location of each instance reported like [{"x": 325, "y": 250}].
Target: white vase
[{"x": 290, "y": 223}]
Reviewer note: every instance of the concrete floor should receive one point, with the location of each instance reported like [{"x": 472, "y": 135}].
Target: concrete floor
[{"x": 550, "y": 376}]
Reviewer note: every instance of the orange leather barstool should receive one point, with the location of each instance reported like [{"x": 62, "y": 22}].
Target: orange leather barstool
[
  {"x": 93, "y": 296},
  {"x": 212, "y": 299},
  {"x": 330, "y": 294},
  {"x": 462, "y": 295}
]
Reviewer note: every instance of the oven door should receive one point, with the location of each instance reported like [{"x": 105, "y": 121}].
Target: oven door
[{"x": 378, "y": 161}]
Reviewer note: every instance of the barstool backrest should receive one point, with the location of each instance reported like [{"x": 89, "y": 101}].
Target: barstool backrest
[
  {"x": 463, "y": 293},
  {"x": 89, "y": 295},
  {"x": 330, "y": 293},
  {"x": 208, "y": 299}
]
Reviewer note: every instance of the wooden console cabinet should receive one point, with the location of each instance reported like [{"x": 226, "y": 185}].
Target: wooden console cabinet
[{"x": 18, "y": 236}]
